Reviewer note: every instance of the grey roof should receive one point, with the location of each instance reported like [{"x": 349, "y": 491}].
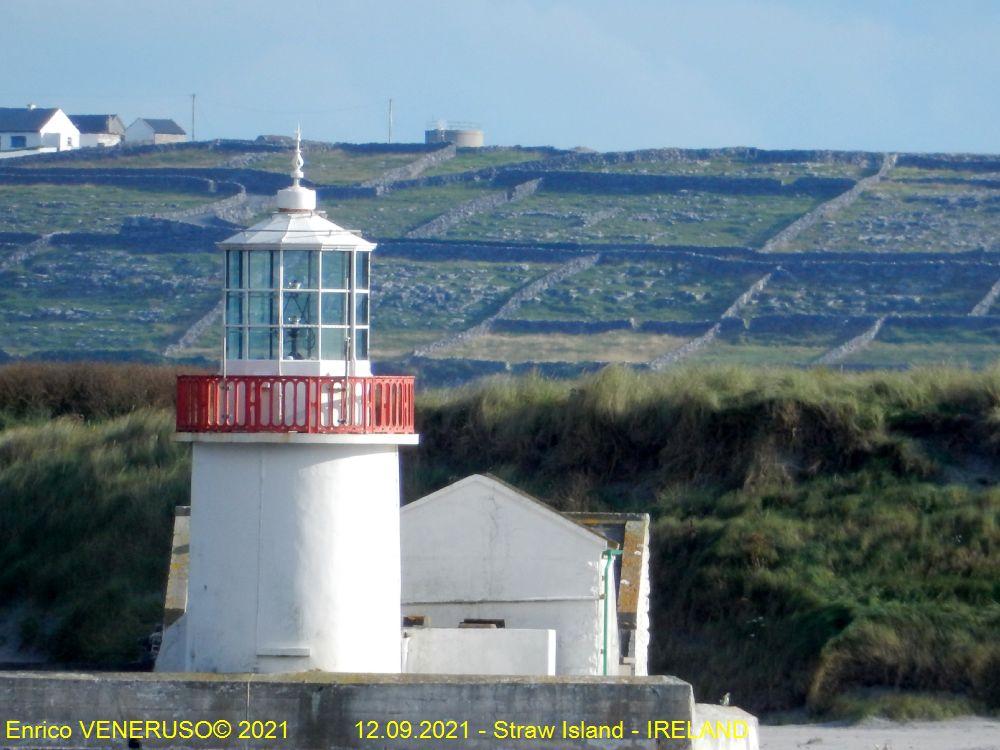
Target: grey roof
[
  {"x": 24, "y": 119},
  {"x": 166, "y": 127},
  {"x": 98, "y": 124}
]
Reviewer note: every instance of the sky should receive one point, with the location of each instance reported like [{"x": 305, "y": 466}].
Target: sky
[{"x": 885, "y": 75}]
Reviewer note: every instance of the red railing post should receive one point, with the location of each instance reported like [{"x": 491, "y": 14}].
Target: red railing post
[{"x": 312, "y": 404}]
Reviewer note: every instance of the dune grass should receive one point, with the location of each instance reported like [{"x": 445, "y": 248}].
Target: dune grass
[
  {"x": 815, "y": 533},
  {"x": 85, "y": 524},
  {"x": 820, "y": 539}
]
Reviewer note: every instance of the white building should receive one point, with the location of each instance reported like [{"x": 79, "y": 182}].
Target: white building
[
  {"x": 99, "y": 130},
  {"x": 36, "y": 128},
  {"x": 481, "y": 553},
  {"x": 294, "y": 522},
  {"x": 149, "y": 130}
]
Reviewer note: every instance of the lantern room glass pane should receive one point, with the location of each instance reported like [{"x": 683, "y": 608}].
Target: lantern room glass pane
[
  {"x": 334, "y": 343},
  {"x": 361, "y": 309},
  {"x": 300, "y": 343},
  {"x": 336, "y": 265},
  {"x": 234, "y": 308},
  {"x": 361, "y": 344},
  {"x": 363, "y": 270},
  {"x": 234, "y": 343},
  {"x": 234, "y": 269},
  {"x": 262, "y": 343},
  {"x": 301, "y": 270},
  {"x": 301, "y": 308},
  {"x": 262, "y": 308},
  {"x": 263, "y": 269},
  {"x": 335, "y": 308}
]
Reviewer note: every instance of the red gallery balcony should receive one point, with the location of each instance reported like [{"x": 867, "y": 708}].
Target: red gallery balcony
[{"x": 292, "y": 403}]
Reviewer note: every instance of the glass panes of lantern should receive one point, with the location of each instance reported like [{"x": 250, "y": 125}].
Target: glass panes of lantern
[
  {"x": 263, "y": 269},
  {"x": 363, "y": 270},
  {"x": 262, "y": 343},
  {"x": 297, "y": 304},
  {"x": 336, "y": 269},
  {"x": 301, "y": 269}
]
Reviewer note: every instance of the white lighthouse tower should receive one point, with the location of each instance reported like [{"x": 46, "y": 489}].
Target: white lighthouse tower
[{"x": 294, "y": 556}]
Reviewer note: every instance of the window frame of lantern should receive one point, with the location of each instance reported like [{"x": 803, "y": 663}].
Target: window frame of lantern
[{"x": 350, "y": 331}]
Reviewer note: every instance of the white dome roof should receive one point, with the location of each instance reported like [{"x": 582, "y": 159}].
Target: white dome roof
[
  {"x": 296, "y": 221},
  {"x": 306, "y": 229}
]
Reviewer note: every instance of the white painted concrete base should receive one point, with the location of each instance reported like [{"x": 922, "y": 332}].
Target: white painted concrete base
[
  {"x": 724, "y": 720},
  {"x": 483, "y": 651},
  {"x": 294, "y": 558}
]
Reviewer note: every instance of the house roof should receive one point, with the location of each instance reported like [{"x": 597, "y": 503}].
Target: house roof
[
  {"x": 98, "y": 124},
  {"x": 164, "y": 127},
  {"x": 512, "y": 491},
  {"x": 24, "y": 119}
]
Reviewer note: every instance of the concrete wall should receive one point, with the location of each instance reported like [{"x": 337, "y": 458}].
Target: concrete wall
[
  {"x": 321, "y": 710},
  {"x": 479, "y": 549},
  {"x": 578, "y": 625},
  {"x": 723, "y": 717},
  {"x": 294, "y": 558},
  {"x": 90, "y": 140},
  {"x": 472, "y": 651}
]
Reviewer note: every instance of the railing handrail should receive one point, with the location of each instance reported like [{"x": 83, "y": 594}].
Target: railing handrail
[{"x": 319, "y": 404}]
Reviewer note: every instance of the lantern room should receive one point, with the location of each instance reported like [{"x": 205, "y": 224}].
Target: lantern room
[
  {"x": 296, "y": 323},
  {"x": 297, "y": 292}
]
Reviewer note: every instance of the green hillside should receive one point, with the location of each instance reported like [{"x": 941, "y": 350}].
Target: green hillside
[{"x": 769, "y": 257}]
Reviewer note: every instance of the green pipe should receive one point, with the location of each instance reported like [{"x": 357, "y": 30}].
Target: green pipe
[{"x": 609, "y": 556}]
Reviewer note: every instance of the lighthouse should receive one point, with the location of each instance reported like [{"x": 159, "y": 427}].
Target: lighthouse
[{"x": 294, "y": 527}]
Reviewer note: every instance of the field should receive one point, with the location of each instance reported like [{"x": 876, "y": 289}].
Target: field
[
  {"x": 684, "y": 218},
  {"x": 913, "y": 215},
  {"x": 83, "y": 208},
  {"x": 335, "y": 166},
  {"x": 680, "y": 237},
  {"x": 621, "y": 346},
  {"x": 395, "y": 214},
  {"x": 681, "y": 289}
]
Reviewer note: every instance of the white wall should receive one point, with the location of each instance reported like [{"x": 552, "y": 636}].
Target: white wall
[
  {"x": 477, "y": 549},
  {"x": 294, "y": 558},
  {"x": 31, "y": 140},
  {"x": 91, "y": 140},
  {"x": 60, "y": 132},
  {"x": 139, "y": 132},
  {"x": 169, "y": 138},
  {"x": 501, "y": 651},
  {"x": 642, "y": 613}
]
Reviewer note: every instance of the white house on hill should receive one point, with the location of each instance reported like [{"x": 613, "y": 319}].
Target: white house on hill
[
  {"x": 480, "y": 554},
  {"x": 26, "y": 128},
  {"x": 148, "y": 130},
  {"x": 99, "y": 130}
]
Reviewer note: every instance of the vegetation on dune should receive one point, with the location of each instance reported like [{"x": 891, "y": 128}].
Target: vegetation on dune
[
  {"x": 820, "y": 539},
  {"x": 816, "y": 534},
  {"x": 85, "y": 524},
  {"x": 35, "y": 391}
]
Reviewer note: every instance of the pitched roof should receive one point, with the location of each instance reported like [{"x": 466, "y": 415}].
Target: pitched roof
[
  {"x": 165, "y": 127},
  {"x": 495, "y": 483},
  {"x": 98, "y": 124},
  {"x": 24, "y": 119}
]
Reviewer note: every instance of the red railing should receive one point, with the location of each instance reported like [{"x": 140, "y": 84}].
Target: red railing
[{"x": 293, "y": 403}]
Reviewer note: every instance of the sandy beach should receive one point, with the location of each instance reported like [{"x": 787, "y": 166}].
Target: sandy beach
[{"x": 969, "y": 733}]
